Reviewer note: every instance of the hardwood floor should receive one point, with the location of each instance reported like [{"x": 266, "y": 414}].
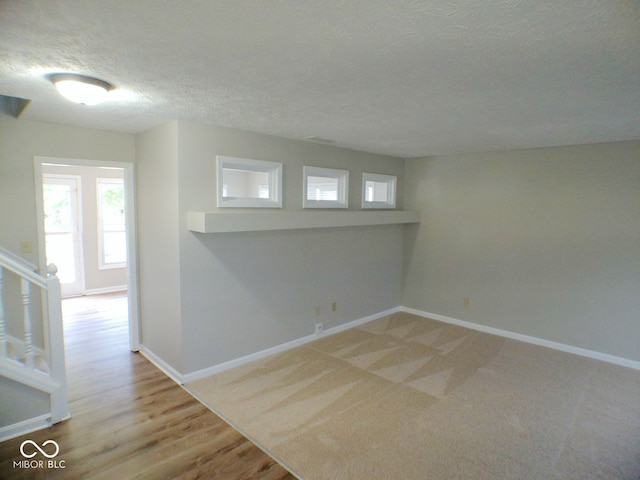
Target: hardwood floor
[{"x": 128, "y": 419}]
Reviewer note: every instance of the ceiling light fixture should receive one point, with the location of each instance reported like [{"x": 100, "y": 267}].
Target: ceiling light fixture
[{"x": 80, "y": 88}]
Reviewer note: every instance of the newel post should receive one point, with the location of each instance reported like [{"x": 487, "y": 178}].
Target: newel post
[{"x": 59, "y": 403}]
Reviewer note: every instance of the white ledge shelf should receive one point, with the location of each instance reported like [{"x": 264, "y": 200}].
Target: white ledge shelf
[{"x": 221, "y": 222}]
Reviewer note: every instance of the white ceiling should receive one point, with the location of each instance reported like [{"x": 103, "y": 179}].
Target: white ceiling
[{"x": 405, "y": 78}]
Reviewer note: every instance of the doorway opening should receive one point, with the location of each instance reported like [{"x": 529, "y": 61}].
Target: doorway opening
[{"x": 86, "y": 227}]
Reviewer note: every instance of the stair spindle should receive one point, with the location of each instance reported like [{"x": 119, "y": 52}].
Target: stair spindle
[{"x": 25, "y": 288}]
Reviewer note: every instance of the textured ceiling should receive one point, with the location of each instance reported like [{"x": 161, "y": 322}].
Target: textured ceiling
[{"x": 405, "y": 78}]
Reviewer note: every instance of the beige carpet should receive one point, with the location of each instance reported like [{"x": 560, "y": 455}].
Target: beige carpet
[{"x": 406, "y": 397}]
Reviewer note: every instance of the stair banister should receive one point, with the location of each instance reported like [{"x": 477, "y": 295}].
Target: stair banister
[
  {"x": 25, "y": 370},
  {"x": 21, "y": 267}
]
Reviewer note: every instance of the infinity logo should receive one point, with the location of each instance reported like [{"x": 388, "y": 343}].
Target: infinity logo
[{"x": 37, "y": 447}]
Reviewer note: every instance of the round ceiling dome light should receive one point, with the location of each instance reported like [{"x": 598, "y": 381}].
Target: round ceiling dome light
[{"x": 80, "y": 88}]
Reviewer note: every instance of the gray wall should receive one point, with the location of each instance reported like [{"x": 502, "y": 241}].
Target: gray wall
[
  {"x": 158, "y": 242},
  {"x": 543, "y": 242},
  {"x": 241, "y": 293}
]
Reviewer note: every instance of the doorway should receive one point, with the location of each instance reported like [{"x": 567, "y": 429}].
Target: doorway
[{"x": 86, "y": 226}]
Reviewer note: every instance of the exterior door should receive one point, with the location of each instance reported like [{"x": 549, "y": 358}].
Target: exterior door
[{"x": 63, "y": 230}]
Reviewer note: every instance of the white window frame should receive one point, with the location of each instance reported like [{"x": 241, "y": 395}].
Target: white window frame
[
  {"x": 274, "y": 171},
  {"x": 390, "y": 180},
  {"x": 101, "y": 263},
  {"x": 342, "y": 176}
]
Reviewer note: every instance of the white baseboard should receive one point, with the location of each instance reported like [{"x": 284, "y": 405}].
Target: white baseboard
[
  {"x": 583, "y": 352},
  {"x": 100, "y": 291},
  {"x": 23, "y": 428},
  {"x": 167, "y": 369},
  {"x": 198, "y": 374},
  {"x": 181, "y": 379}
]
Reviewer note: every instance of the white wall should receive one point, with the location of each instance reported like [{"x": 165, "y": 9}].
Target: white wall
[
  {"x": 544, "y": 242},
  {"x": 241, "y": 293}
]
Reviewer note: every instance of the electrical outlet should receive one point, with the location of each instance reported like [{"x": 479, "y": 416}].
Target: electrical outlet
[
  {"x": 319, "y": 328},
  {"x": 334, "y": 306},
  {"x": 317, "y": 311},
  {"x": 465, "y": 301},
  {"x": 26, "y": 246}
]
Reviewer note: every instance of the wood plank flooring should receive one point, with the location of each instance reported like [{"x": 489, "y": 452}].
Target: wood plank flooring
[{"x": 128, "y": 419}]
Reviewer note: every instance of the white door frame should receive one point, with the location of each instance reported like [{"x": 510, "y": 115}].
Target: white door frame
[{"x": 130, "y": 209}]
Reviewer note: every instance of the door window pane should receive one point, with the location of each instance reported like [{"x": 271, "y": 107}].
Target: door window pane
[{"x": 57, "y": 208}]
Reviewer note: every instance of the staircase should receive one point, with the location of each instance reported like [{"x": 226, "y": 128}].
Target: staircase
[{"x": 31, "y": 333}]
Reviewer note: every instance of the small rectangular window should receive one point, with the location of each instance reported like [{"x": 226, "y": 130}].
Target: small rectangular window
[
  {"x": 243, "y": 182},
  {"x": 325, "y": 188},
  {"x": 378, "y": 191},
  {"x": 112, "y": 238}
]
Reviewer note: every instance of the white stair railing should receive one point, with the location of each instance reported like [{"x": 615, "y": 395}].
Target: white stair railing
[{"x": 25, "y": 370}]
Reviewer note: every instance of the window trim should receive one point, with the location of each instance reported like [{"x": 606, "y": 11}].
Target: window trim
[
  {"x": 100, "y": 225},
  {"x": 342, "y": 176},
  {"x": 274, "y": 178},
  {"x": 390, "y": 180}
]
